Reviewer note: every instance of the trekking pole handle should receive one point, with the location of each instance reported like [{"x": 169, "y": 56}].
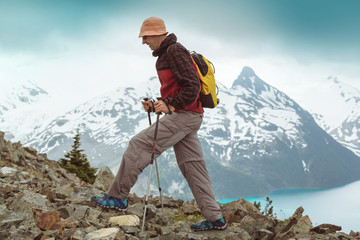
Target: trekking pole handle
[
  {"x": 152, "y": 102},
  {"x": 159, "y": 99},
  {"x": 166, "y": 103},
  {"x": 149, "y": 111}
]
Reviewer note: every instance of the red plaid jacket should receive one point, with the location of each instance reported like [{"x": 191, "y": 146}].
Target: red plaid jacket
[{"x": 180, "y": 84}]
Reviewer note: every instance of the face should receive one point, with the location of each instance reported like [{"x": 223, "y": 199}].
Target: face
[{"x": 152, "y": 41}]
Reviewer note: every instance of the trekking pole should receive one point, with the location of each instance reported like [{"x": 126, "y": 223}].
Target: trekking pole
[
  {"x": 151, "y": 164},
  {"x": 149, "y": 110},
  {"x": 156, "y": 165}
]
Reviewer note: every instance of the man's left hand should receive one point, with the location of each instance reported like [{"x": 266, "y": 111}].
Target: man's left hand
[{"x": 160, "y": 107}]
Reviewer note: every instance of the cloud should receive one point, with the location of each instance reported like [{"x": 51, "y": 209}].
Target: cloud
[
  {"x": 29, "y": 25},
  {"x": 92, "y": 46}
]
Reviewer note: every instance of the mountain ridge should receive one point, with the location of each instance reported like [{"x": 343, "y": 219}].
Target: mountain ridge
[
  {"x": 344, "y": 125},
  {"x": 257, "y": 136}
]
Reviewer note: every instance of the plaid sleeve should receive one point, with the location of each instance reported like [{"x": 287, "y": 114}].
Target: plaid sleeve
[{"x": 185, "y": 75}]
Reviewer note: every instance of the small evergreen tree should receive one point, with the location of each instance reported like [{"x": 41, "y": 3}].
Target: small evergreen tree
[{"x": 76, "y": 162}]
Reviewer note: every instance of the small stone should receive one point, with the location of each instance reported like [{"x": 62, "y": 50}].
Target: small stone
[
  {"x": 165, "y": 230},
  {"x": 190, "y": 208},
  {"x": 104, "y": 233},
  {"x": 80, "y": 212},
  {"x": 265, "y": 234},
  {"x": 326, "y": 229},
  {"x": 22, "y": 234},
  {"x": 8, "y": 171},
  {"x": 354, "y": 234},
  {"x": 11, "y": 222},
  {"x": 31, "y": 150},
  {"x": 130, "y": 229},
  {"x": 93, "y": 214},
  {"x": 69, "y": 223},
  {"x": 126, "y": 220},
  {"x": 64, "y": 212},
  {"x": 64, "y": 192},
  {"x": 78, "y": 235}
]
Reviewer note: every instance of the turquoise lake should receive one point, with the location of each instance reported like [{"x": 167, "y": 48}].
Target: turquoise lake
[{"x": 339, "y": 205}]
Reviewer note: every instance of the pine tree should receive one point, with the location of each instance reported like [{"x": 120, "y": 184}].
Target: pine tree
[{"x": 76, "y": 162}]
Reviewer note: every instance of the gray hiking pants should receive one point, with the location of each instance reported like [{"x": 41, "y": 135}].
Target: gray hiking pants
[{"x": 180, "y": 131}]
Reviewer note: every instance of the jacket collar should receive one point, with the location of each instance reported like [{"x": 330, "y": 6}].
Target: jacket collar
[{"x": 170, "y": 39}]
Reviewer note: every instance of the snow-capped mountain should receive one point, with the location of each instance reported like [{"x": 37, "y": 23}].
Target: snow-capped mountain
[
  {"x": 21, "y": 109},
  {"x": 256, "y": 141},
  {"x": 335, "y": 106},
  {"x": 22, "y": 93}
]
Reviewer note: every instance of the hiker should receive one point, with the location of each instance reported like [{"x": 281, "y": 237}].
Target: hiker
[{"x": 179, "y": 90}]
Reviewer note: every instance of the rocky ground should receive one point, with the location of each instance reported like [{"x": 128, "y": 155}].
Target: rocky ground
[{"x": 41, "y": 200}]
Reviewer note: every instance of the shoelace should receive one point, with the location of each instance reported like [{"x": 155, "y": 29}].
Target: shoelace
[{"x": 105, "y": 196}]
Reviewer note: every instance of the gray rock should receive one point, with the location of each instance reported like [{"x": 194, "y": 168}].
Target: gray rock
[
  {"x": 29, "y": 153},
  {"x": 22, "y": 235},
  {"x": 13, "y": 220},
  {"x": 26, "y": 201},
  {"x": 104, "y": 179},
  {"x": 168, "y": 202},
  {"x": 81, "y": 212},
  {"x": 303, "y": 226},
  {"x": 285, "y": 231},
  {"x": 190, "y": 207},
  {"x": 326, "y": 229},
  {"x": 126, "y": 220},
  {"x": 8, "y": 171},
  {"x": 64, "y": 212},
  {"x": 104, "y": 233},
  {"x": 342, "y": 236},
  {"x": 137, "y": 209},
  {"x": 78, "y": 235},
  {"x": 265, "y": 234},
  {"x": 93, "y": 214},
  {"x": 2, "y": 141},
  {"x": 130, "y": 229},
  {"x": 248, "y": 223},
  {"x": 3, "y": 211}
]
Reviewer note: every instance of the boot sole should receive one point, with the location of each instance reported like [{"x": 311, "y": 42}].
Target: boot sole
[
  {"x": 111, "y": 207},
  {"x": 213, "y": 228}
]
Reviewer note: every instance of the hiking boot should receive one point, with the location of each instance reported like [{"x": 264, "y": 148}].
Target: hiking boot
[
  {"x": 110, "y": 202},
  {"x": 206, "y": 225}
]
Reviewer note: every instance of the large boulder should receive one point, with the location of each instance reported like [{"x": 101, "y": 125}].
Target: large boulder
[{"x": 104, "y": 179}]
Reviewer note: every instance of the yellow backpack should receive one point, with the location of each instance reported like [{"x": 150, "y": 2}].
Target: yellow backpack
[{"x": 209, "y": 90}]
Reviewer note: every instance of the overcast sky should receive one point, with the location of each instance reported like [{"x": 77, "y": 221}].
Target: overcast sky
[{"x": 85, "y": 48}]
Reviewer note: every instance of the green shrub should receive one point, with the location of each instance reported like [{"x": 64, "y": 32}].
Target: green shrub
[
  {"x": 268, "y": 210},
  {"x": 76, "y": 162}
]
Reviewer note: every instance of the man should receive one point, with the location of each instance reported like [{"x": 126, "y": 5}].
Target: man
[{"x": 180, "y": 88}]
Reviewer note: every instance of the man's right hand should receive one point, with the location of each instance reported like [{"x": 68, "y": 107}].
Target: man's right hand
[{"x": 147, "y": 105}]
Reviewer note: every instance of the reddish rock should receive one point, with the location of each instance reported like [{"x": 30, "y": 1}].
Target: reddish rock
[{"x": 49, "y": 220}]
